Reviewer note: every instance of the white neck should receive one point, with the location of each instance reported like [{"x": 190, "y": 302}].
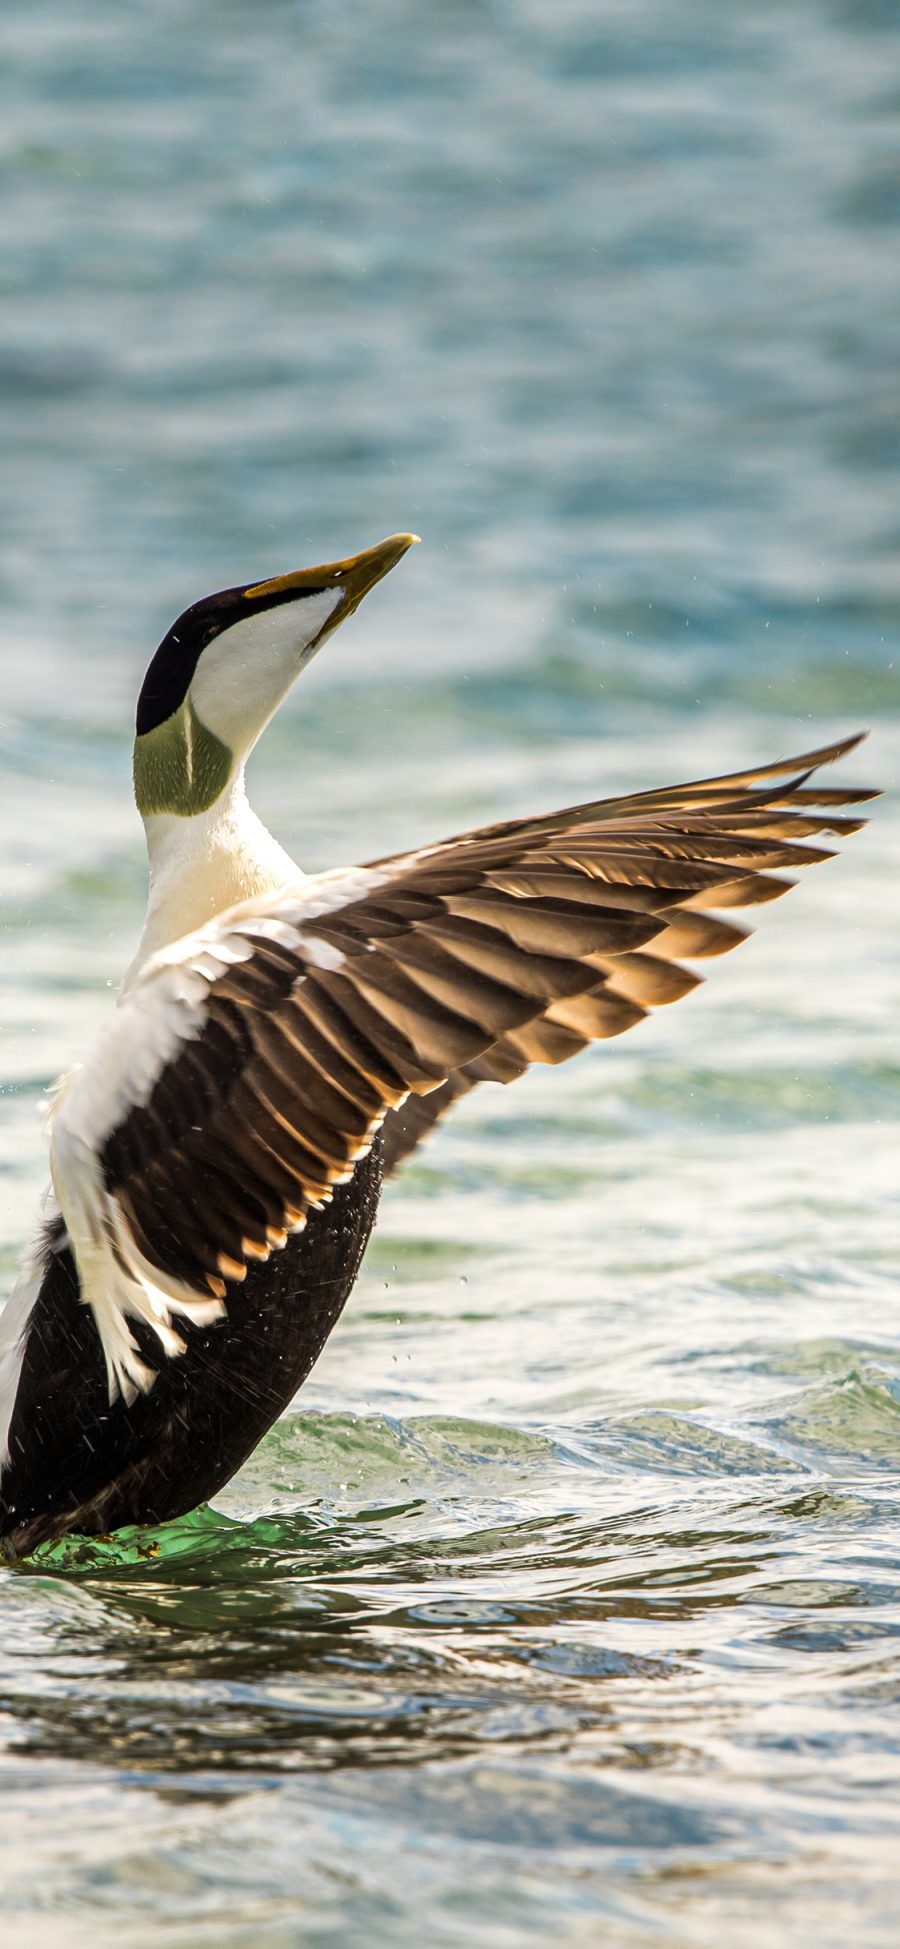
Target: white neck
[{"x": 201, "y": 865}]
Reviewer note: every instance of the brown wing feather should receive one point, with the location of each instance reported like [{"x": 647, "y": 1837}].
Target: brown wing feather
[
  {"x": 655, "y": 979},
  {"x": 461, "y": 963}
]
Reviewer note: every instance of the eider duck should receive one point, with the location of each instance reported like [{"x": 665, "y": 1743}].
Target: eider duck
[{"x": 282, "y": 1041}]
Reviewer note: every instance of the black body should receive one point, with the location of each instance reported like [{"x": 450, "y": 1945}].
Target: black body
[{"x": 79, "y": 1463}]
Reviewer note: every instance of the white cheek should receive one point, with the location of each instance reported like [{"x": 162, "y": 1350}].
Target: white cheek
[{"x": 243, "y": 674}]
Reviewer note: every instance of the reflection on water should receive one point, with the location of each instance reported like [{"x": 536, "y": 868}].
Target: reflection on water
[
  {"x": 567, "y": 1608},
  {"x": 540, "y": 1688}
]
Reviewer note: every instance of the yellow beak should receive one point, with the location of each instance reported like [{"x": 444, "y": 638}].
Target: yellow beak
[{"x": 354, "y": 577}]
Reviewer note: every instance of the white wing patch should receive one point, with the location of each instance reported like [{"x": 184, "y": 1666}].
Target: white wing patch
[
  {"x": 115, "y": 1282},
  {"x": 163, "y": 1010}
]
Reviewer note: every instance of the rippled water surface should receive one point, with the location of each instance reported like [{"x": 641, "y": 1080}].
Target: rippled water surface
[{"x": 564, "y": 1606}]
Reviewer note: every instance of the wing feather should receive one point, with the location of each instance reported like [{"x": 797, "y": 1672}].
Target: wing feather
[{"x": 253, "y": 1062}]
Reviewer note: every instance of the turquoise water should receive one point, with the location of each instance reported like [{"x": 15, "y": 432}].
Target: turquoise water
[{"x": 567, "y": 1608}]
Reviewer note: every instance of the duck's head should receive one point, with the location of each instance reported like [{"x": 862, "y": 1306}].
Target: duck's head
[{"x": 224, "y": 668}]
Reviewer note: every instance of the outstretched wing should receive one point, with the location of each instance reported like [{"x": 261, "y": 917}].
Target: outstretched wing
[
  {"x": 640, "y": 977},
  {"x": 252, "y": 1064}
]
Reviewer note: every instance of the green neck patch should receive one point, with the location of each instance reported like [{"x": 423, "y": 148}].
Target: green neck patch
[{"x": 180, "y": 766}]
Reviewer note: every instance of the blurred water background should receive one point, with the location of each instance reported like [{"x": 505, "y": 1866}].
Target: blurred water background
[{"x": 565, "y": 1605}]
